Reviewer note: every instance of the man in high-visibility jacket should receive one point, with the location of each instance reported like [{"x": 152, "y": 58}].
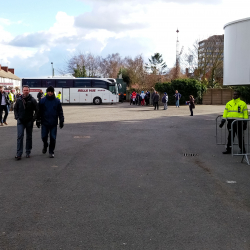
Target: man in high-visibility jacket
[
  {"x": 235, "y": 109},
  {"x": 59, "y": 95},
  {"x": 11, "y": 99}
]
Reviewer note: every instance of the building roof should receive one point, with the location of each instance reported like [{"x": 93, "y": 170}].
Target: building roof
[
  {"x": 213, "y": 38},
  {"x": 237, "y": 21},
  {"x": 9, "y": 75}
]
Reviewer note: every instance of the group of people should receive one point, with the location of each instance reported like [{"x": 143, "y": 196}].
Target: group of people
[
  {"x": 140, "y": 99},
  {"x": 45, "y": 113}
]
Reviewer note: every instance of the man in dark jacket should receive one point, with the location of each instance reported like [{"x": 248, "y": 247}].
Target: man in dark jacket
[
  {"x": 156, "y": 100},
  {"x": 40, "y": 95},
  {"x": 50, "y": 109},
  {"x": 4, "y": 102},
  {"x": 25, "y": 111}
]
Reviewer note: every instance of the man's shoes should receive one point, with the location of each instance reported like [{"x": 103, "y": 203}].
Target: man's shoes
[
  {"x": 51, "y": 156},
  {"x": 227, "y": 152},
  {"x": 1, "y": 124},
  {"x": 18, "y": 158},
  {"x": 5, "y": 123},
  {"x": 44, "y": 150},
  {"x": 27, "y": 155}
]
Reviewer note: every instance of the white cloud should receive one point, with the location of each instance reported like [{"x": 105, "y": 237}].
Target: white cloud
[{"x": 129, "y": 28}]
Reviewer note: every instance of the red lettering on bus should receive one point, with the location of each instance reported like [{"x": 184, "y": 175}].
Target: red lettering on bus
[{"x": 82, "y": 90}]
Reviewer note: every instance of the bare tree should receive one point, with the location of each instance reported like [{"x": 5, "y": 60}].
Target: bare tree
[
  {"x": 111, "y": 65},
  {"x": 205, "y": 60}
]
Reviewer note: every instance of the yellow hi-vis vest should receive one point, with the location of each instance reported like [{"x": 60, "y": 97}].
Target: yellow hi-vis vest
[
  {"x": 11, "y": 97},
  {"x": 236, "y": 109},
  {"x": 59, "y": 96}
]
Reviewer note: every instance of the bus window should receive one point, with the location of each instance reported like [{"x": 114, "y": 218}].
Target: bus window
[
  {"x": 100, "y": 84},
  {"x": 47, "y": 82},
  {"x": 32, "y": 83},
  {"x": 82, "y": 83},
  {"x": 64, "y": 83},
  {"x": 112, "y": 89}
]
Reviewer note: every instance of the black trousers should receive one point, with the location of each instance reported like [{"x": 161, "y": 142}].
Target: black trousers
[
  {"x": 52, "y": 131},
  {"x": 191, "y": 110},
  {"x": 237, "y": 129},
  {"x": 156, "y": 105},
  {"x": 5, "y": 109}
]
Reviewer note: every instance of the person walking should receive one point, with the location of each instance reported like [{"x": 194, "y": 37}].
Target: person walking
[
  {"x": 50, "y": 109},
  {"x": 4, "y": 102},
  {"x": 191, "y": 104},
  {"x": 177, "y": 98},
  {"x": 156, "y": 100},
  {"x": 40, "y": 95},
  {"x": 235, "y": 109},
  {"x": 165, "y": 101},
  {"x": 25, "y": 111},
  {"x": 142, "y": 98}
]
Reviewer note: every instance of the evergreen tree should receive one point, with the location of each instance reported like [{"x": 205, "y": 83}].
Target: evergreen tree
[{"x": 156, "y": 65}]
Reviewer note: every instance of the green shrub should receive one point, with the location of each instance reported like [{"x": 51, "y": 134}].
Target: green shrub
[{"x": 185, "y": 87}]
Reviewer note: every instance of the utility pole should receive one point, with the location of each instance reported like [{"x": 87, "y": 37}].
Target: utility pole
[
  {"x": 52, "y": 69},
  {"x": 178, "y": 55}
]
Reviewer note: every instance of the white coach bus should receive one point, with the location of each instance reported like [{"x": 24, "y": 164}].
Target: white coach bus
[{"x": 77, "y": 90}]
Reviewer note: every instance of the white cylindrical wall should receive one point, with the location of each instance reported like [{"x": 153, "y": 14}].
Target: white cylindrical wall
[{"x": 237, "y": 53}]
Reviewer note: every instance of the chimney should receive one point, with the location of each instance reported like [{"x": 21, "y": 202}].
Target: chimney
[
  {"x": 12, "y": 71},
  {"x": 187, "y": 71},
  {"x": 5, "y": 68}
]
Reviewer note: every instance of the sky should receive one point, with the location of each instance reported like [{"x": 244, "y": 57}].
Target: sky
[{"x": 35, "y": 33}]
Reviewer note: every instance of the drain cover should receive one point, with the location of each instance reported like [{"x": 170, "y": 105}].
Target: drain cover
[{"x": 190, "y": 154}]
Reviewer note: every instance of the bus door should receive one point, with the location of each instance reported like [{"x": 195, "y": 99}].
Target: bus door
[{"x": 65, "y": 95}]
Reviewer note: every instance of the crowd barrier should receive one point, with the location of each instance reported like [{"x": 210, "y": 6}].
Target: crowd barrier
[{"x": 239, "y": 136}]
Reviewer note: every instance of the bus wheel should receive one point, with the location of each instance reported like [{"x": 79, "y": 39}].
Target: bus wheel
[{"x": 97, "y": 101}]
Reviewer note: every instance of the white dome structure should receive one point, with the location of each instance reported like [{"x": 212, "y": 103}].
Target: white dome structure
[{"x": 237, "y": 53}]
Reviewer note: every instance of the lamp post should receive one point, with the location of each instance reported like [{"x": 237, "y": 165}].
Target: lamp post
[{"x": 52, "y": 69}]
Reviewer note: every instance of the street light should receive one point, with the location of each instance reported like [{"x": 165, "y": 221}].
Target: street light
[{"x": 52, "y": 69}]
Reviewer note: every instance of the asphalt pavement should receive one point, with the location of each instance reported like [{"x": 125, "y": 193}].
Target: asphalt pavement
[{"x": 125, "y": 177}]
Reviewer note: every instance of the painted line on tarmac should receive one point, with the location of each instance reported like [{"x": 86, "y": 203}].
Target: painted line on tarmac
[{"x": 231, "y": 182}]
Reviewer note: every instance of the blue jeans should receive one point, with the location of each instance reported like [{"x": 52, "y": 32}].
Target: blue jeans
[
  {"x": 20, "y": 134},
  {"x": 177, "y": 104},
  {"x": 52, "y": 131}
]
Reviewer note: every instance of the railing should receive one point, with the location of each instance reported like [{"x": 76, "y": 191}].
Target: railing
[
  {"x": 239, "y": 144},
  {"x": 240, "y": 127}
]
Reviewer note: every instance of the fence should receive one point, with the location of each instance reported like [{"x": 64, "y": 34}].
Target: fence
[
  {"x": 217, "y": 96},
  {"x": 239, "y": 127}
]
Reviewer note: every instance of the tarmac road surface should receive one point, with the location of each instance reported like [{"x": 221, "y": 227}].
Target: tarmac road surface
[{"x": 123, "y": 178}]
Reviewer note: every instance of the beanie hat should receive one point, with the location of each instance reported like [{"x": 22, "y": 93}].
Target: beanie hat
[{"x": 50, "y": 89}]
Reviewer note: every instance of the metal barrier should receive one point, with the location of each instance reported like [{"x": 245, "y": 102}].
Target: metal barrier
[
  {"x": 242, "y": 139},
  {"x": 221, "y": 133},
  {"x": 241, "y": 128}
]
